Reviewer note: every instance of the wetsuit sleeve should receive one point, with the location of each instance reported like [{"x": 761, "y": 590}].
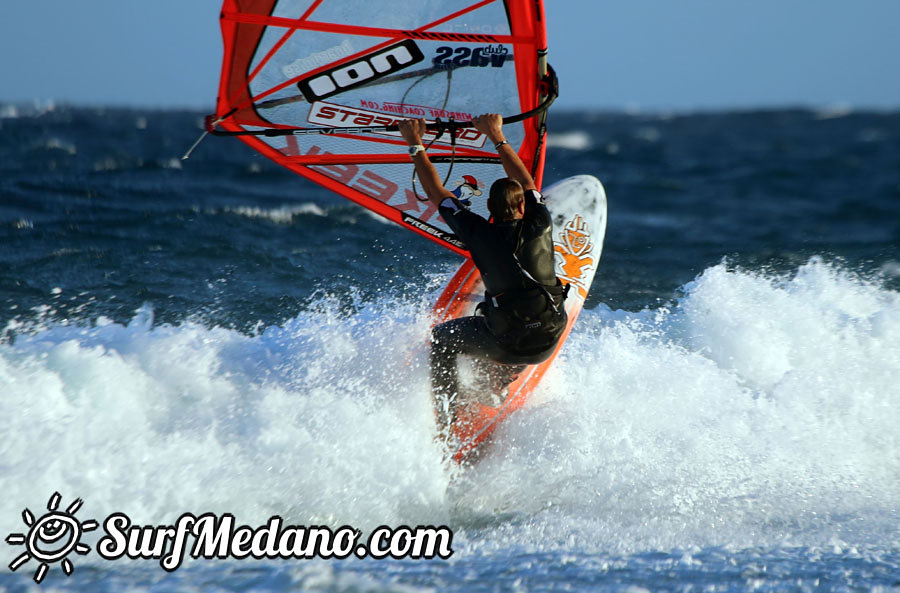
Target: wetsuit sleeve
[
  {"x": 465, "y": 223},
  {"x": 535, "y": 209}
]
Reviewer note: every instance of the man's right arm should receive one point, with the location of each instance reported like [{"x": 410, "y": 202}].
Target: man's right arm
[
  {"x": 412, "y": 131},
  {"x": 491, "y": 125}
]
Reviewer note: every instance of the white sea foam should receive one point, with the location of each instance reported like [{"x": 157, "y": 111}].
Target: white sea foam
[
  {"x": 58, "y": 144},
  {"x": 35, "y": 108},
  {"x": 648, "y": 134},
  {"x": 578, "y": 140},
  {"x": 9, "y": 111},
  {"x": 835, "y": 111},
  {"x": 891, "y": 268},
  {"x": 760, "y": 409},
  {"x": 282, "y": 214},
  {"x": 171, "y": 163}
]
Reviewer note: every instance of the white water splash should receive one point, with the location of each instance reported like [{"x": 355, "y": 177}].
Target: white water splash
[
  {"x": 758, "y": 410},
  {"x": 282, "y": 214}
]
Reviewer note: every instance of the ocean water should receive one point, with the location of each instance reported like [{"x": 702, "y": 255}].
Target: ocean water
[{"x": 217, "y": 335}]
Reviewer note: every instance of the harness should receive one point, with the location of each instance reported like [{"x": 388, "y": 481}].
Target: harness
[{"x": 529, "y": 320}]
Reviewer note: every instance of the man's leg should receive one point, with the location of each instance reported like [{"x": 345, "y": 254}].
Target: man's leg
[
  {"x": 466, "y": 335},
  {"x": 497, "y": 376},
  {"x": 471, "y": 336}
]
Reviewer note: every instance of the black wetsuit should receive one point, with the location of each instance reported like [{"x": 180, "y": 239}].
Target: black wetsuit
[{"x": 508, "y": 291}]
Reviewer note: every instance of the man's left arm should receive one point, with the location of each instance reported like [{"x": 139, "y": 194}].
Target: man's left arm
[{"x": 491, "y": 125}]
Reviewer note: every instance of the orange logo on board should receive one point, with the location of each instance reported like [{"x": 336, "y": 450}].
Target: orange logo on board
[{"x": 574, "y": 253}]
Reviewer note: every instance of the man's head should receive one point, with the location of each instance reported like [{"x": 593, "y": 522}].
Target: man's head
[{"x": 506, "y": 200}]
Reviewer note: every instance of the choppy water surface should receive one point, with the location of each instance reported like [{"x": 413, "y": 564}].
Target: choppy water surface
[{"x": 218, "y": 335}]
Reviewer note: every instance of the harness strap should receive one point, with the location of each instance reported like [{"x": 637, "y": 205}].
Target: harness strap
[
  {"x": 537, "y": 284},
  {"x": 520, "y": 226}
]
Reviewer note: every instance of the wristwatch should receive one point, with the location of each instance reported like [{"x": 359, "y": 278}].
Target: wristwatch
[{"x": 415, "y": 149}]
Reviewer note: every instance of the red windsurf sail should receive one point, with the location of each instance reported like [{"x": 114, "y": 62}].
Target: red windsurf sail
[{"x": 318, "y": 86}]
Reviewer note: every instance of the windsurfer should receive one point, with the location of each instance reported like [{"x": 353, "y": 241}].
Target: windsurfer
[{"x": 522, "y": 316}]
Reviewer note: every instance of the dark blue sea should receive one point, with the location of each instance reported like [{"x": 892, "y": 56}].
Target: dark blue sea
[{"x": 218, "y": 335}]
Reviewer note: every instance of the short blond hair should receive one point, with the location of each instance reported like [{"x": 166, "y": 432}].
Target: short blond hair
[{"x": 505, "y": 199}]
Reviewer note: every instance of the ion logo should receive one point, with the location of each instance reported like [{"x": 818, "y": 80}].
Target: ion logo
[
  {"x": 361, "y": 71},
  {"x": 51, "y": 538}
]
